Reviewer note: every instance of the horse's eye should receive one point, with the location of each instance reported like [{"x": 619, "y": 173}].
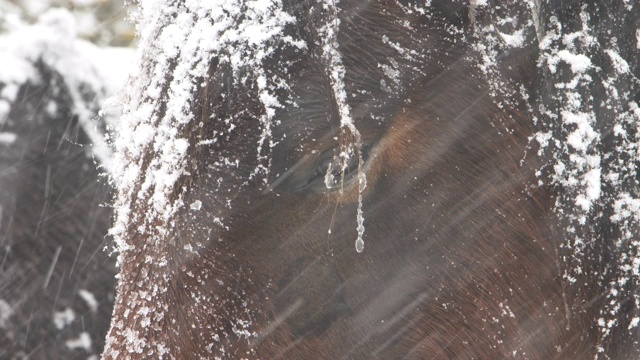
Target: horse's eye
[{"x": 328, "y": 171}]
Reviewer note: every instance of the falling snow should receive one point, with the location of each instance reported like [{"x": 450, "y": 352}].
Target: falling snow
[
  {"x": 63, "y": 318},
  {"x": 589, "y": 149},
  {"x": 83, "y": 341},
  {"x": 89, "y": 299}
]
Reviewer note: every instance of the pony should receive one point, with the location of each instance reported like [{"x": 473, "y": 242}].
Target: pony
[{"x": 376, "y": 179}]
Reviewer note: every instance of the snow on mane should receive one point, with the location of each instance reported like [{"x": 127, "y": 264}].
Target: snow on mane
[
  {"x": 177, "y": 44},
  {"x": 595, "y": 173}
]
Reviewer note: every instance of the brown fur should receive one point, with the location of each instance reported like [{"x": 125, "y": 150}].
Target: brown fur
[{"x": 460, "y": 256}]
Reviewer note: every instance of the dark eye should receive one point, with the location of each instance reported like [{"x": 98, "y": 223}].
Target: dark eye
[{"x": 328, "y": 171}]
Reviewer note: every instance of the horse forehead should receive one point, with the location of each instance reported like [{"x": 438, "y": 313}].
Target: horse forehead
[{"x": 381, "y": 48}]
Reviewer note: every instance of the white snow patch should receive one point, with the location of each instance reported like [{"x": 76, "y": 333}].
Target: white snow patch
[
  {"x": 63, "y": 318},
  {"x": 514, "y": 40},
  {"x": 543, "y": 139},
  {"x": 196, "y": 205},
  {"x": 584, "y": 135},
  {"x": 578, "y": 62},
  {"x": 7, "y": 138},
  {"x": 592, "y": 189},
  {"x": 10, "y": 91},
  {"x": 89, "y": 299},
  {"x": 620, "y": 64},
  {"x": 391, "y": 71},
  {"x": 626, "y": 207},
  {"x": 478, "y": 2},
  {"x": 83, "y": 341},
  {"x": 5, "y": 313}
]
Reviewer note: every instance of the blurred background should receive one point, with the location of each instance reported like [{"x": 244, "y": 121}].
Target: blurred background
[
  {"x": 63, "y": 65},
  {"x": 102, "y": 22}
]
